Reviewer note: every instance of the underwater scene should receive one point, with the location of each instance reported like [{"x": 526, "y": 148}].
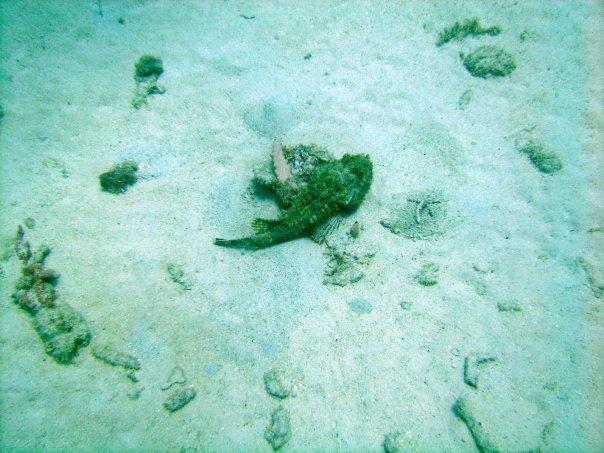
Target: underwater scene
[{"x": 301, "y": 225}]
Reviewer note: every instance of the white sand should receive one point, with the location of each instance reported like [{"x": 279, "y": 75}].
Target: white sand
[{"x": 375, "y": 83}]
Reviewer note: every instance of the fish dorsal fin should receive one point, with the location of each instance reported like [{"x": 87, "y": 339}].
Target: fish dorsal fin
[
  {"x": 324, "y": 229},
  {"x": 263, "y": 225}
]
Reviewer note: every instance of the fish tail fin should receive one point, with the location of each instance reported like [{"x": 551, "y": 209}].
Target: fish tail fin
[{"x": 234, "y": 243}]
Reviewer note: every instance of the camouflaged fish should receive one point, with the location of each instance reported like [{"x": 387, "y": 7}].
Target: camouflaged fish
[{"x": 328, "y": 188}]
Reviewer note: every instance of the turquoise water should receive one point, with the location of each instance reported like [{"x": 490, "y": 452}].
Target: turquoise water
[{"x": 452, "y": 304}]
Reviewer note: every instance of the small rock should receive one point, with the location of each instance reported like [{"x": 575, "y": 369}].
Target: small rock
[
  {"x": 179, "y": 398},
  {"x": 489, "y": 61},
  {"x": 276, "y": 385},
  {"x": 177, "y": 376},
  {"x": 278, "y": 432},
  {"x": 405, "y": 305},
  {"x": 30, "y": 223}
]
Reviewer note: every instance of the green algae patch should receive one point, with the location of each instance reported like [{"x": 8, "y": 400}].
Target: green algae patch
[
  {"x": 148, "y": 66},
  {"x": 461, "y": 30},
  {"x": 489, "y": 61},
  {"x": 119, "y": 177},
  {"x": 545, "y": 161}
]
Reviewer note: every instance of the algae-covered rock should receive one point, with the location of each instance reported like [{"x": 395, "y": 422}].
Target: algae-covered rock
[
  {"x": 469, "y": 27},
  {"x": 489, "y": 61},
  {"x": 63, "y": 331},
  {"x": 179, "y": 398},
  {"x": 545, "y": 161},
  {"x": 119, "y": 177},
  {"x": 146, "y": 73},
  {"x": 61, "y": 328},
  {"x": 276, "y": 385},
  {"x": 278, "y": 432},
  {"x": 148, "y": 66},
  {"x": 114, "y": 357}
]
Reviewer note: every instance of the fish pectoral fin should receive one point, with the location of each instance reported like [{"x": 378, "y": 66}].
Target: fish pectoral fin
[
  {"x": 326, "y": 228},
  {"x": 263, "y": 225}
]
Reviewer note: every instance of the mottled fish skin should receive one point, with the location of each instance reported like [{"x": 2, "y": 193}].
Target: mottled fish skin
[{"x": 334, "y": 187}]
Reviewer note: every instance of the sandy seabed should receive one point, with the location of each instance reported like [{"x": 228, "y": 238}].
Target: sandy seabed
[{"x": 382, "y": 355}]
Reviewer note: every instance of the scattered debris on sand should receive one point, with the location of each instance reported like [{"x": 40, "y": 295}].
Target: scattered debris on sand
[
  {"x": 421, "y": 216},
  {"x": 428, "y": 274},
  {"x": 114, "y": 357},
  {"x": 460, "y": 30},
  {"x": 177, "y": 376},
  {"x": 509, "y": 306},
  {"x": 146, "y": 74},
  {"x": 58, "y": 165},
  {"x": 472, "y": 365},
  {"x": 177, "y": 275},
  {"x": 488, "y": 61},
  {"x": 119, "y": 177},
  {"x": 278, "y": 432},
  {"x": 344, "y": 267},
  {"x": 465, "y": 99},
  {"x": 61, "y": 328},
  {"x": 179, "y": 398}
]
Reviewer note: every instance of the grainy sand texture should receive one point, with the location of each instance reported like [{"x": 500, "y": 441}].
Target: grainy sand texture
[{"x": 458, "y": 309}]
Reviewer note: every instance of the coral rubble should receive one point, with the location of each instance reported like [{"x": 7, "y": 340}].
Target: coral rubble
[{"x": 61, "y": 328}]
